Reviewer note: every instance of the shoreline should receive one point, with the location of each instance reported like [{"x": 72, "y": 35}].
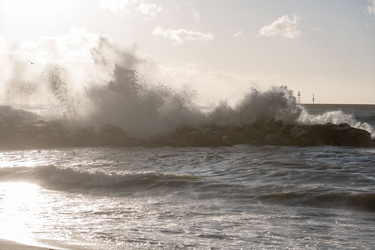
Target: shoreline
[{"x": 12, "y": 245}]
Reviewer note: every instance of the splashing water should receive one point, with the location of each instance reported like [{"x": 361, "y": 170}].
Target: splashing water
[
  {"x": 334, "y": 117},
  {"x": 113, "y": 89}
]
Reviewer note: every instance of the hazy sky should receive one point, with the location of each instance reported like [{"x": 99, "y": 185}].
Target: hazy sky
[{"x": 220, "y": 47}]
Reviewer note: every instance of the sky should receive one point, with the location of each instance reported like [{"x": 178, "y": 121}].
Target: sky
[{"x": 221, "y": 48}]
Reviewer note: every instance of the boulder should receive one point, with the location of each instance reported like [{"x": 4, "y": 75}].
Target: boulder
[
  {"x": 354, "y": 138},
  {"x": 272, "y": 139},
  {"x": 272, "y": 127},
  {"x": 112, "y": 135},
  {"x": 285, "y": 141},
  {"x": 297, "y": 132},
  {"x": 85, "y": 137},
  {"x": 240, "y": 137},
  {"x": 227, "y": 140},
  {"x": 255, "y": 136}
]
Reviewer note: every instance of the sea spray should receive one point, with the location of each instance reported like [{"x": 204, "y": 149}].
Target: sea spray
[
  {"x": 334, "y": 117},
  {"x": 113, "y": 90},
  {"x": 277, "y": 103}
]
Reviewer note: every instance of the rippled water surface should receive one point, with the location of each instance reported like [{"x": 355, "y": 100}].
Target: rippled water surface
[{"x": 227, "y": 197}]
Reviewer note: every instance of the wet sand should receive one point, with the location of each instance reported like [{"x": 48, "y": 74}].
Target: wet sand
[{"x": 10, "y": 245}]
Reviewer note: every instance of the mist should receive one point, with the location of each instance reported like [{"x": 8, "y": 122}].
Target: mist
[{"x": 115, "y": 85}]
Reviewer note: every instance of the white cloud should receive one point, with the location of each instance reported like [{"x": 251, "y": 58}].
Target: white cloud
[
  {"x": 286, "y": 26},
  {"x": 75, "y": 46},
  {"x": 149, "y": 10},
  {"x": 371, "y": 7},
  {"x": 112, "y": 5},
  {"x": 238, "y": 34},
  {"x": 131, "y": 8},
  {"x": 179, "y": 36}
]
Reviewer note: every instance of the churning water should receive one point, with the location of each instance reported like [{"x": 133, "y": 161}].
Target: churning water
[{"x": 240, "y": 197}]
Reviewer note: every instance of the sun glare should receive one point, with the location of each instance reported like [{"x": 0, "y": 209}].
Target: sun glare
[
  {"x": 36, "y": 13},
  {"x": 19, "y": 210}
]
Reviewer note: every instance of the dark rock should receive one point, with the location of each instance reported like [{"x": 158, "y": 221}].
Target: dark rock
[
  {"x": 240, "y": 137},
  {"x": 339, "y": 135},
  {"x": 85, "y": 137},
  {"x": 354, "y": 138},
  {"x": 303, "y": 141},
  {"x": 112, "y": 135},
  {"x": 227, "y": 140},
  {"x": 285, "y": 130},
  {"x": 255, "y": 136},
  {"x": 184, "y": 141},
  {"x": 297, "y": 132},
  {"x": 285, "y": 141},
  {"x": 272, "y": 139},
  {"x": 272, "y": 127}
]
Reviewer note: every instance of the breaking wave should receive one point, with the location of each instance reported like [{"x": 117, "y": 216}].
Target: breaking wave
[
  {"x": 114, "y": 89},
  {"x": 72, "y": 178},
  {"x": 361, "y": 201},
  {"x": 335, "y": 117},
  {"x": 102, "y": 183}
]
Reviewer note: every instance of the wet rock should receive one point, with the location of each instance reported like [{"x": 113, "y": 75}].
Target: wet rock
[
  {"x": 297, "y": 132},
  {"x": 227, "y": 140},
  {"x": 303, "y": 141},
  {"x": 112, "y": 135},
  {"x": 340, "y": 135},
  {"x": 272, "y": 139},
  {"x": 239, "y": 137},
  {"x": 85, "y": 137},
  {"x": 184, "y": 141},
  {"x": 255, "y": 136},
  {"x": 285, "y": 141},
  {"x": 285, "y": 130},
  {"x": 272, "y": 127},
  {"x": 354, "y": 138}
]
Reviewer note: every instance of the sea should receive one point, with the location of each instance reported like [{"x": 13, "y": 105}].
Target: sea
[{"x": 237, "y": 197}]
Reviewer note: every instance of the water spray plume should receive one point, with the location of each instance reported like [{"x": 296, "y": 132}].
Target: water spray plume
[{"x": 112, "y": 89}]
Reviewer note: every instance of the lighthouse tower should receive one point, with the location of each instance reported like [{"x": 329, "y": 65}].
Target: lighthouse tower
[{"x": 299, "y": 97}]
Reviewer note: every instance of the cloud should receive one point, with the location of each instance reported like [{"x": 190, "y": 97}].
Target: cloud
[
  {"x": 180, "y": 36},
  {"x": 285, "y": 26},
  {"x": 371, "y": 7},
  {"x": 149, "y": 10},
  {"x": 74, "y": 46},
  {"x": 132, "y": 8},
  {"x": 238, "y": 34}
]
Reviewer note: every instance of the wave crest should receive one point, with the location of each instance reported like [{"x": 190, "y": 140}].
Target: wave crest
[{"x": 58, "y": 177}]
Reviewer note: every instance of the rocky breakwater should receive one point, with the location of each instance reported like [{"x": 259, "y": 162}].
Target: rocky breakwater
[
  {"x": 43, "y": 134},
  {"x": 272, "y": 133}
]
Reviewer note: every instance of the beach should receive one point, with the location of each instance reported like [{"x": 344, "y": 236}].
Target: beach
[{"x": 10, "y": 245}]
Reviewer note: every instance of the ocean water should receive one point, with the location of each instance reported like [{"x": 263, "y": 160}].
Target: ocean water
[{"x": 240, "y": 197}]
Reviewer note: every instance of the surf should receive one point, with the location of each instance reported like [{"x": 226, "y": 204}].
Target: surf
[{"x": 114, "y": 94}]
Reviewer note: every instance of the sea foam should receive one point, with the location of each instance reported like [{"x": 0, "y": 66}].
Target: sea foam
[{"x": 114, "y": 89}]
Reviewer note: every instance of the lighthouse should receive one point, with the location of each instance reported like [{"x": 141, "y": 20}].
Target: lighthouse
[{"x": 299, "y": 97}]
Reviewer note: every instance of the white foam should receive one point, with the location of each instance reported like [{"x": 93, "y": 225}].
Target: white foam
[
  {"x": 112, "y": 89},
  {"x": 334, "y": 117}
]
